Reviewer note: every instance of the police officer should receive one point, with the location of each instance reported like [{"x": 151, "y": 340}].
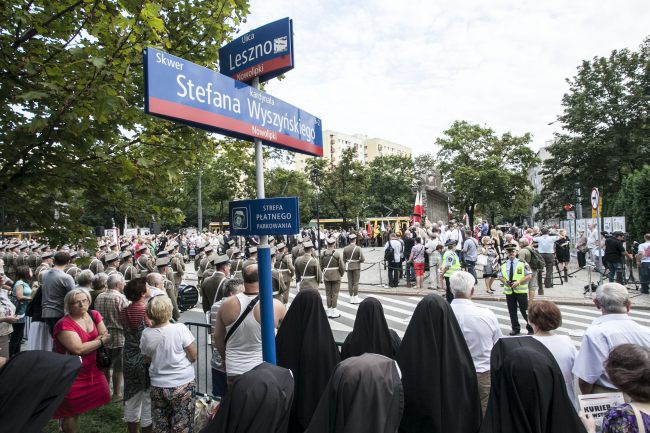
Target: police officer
[
  {"x": 352, "y": 258},
  {"x": 450, "y": 264},
  {"x": 284, "y": 265},
  {"x": 213, "y": 286},
  {"x": 308, "y": 268},
  {"x": 127, "y": 269},
  {"x": 515, "y": 275},
  {"x": 333, "y": 269},
  {"x": 162, "y": 264}
]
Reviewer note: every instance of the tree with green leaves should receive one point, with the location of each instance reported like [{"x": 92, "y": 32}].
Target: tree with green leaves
[
  {"x": 633, "y": 202},
  {"x": 342, "y": 188},
  {"x": 605, "y": 129},
  {"x": 391, "y": 178},
  {"x": 482, "y": 170},
  {"x": 280, "y": 182},
  {"x": 72, "y": 126}
]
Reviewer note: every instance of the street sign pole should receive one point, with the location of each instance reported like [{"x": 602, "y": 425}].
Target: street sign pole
[
  {"x": 264, "y": 264},
  {"x": 595, "y": 201}
]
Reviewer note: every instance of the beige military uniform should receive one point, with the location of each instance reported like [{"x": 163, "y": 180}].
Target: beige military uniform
[
  {"x": 129, "y": 271},
  {"x": 96, "y": 266},
  {"x": 171, "y": 291},
  {"x": 333, "y": 269},
  {"x": 145, "y": 265},
  {"x": 236, "y": 267},
  {"x": 178, "y": 266},
  {"x": 72, "y": 270},
  {"x": 285, "y": 268},
  {"x": 352, "y": 258},
  {"x": 309, "y": 270}
]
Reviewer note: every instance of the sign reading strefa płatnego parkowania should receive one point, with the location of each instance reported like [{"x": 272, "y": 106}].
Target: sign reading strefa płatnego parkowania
[
  {"x": 183, "y": 91},
  {"x": 265, "y": 52}
]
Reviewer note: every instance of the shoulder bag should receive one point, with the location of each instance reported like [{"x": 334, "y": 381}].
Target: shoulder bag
[{"x": 103, "y": 359}]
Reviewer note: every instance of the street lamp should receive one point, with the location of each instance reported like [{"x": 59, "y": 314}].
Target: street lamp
[{"x": 315, "y": 176}]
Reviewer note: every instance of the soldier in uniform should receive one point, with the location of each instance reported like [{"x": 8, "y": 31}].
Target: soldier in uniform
[
  {"x": 308, "y": 268},
  {"x": 237, "y": 263},
  {"x": 145, "y": 262},
  {"x": 213, "y": 286},
  {"x": 204, "y": 263},
  {"x": 34, "y": 258},
  {"x": 353, "y": 257},
  {"x": 112, "y": 261},
  {"x": 277, "y": 281},
  {"x": 295, "y": 252},
  {"x": 197, "y": 259},
  {"x": 252, "y": 257},
  {"x": 177, "y": 265},
  {"x": 169, "y": 274},
  {"x": 71, "y": 268},
  {"x": 332, "y": 265},
  {"x": 127, "y": 269},
  {"x": 22, "y": 258},
  {"x": 162, "y": 264},
  {"x": 96, "y": 265},
  {"x": 285, "y": 268},
  {"x": 231, "y": 245},
  {"x": 47, "y": 259}
]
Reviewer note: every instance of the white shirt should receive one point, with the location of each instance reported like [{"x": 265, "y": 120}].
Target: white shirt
[
  {"x": 457, "y": 236},
  {"x": 605, "y": 333},
  {"x": 480, "y": 328},
  {"x": 642, "y": 248},
  {"x": 397, "y": 249},
  {"x": 170, "y": 366},
  {"x": 564, "y": 352},
  {"x": 546, "y": 244}
]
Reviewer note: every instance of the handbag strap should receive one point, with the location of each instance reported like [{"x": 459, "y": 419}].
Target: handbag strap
[
  {"x": 639, "y": 418},
  {"x": 248, "y": 309}
]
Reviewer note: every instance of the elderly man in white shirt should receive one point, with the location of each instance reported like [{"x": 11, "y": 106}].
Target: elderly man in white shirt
[
  {"x": 613, "y": 328},
  {"x": 546, "y": 247},
  {"x": 480, "y": 328}
]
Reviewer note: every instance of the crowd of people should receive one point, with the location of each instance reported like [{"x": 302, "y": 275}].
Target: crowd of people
[{"x": 453, "y": 371}]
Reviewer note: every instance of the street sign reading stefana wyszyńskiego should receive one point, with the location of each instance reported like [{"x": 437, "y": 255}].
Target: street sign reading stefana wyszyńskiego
[
  {"x": 182, "y": 91},
  {"x": 265, "y": 52}
]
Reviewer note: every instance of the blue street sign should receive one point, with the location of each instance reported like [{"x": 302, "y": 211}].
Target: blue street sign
[
  {"x": 265, "y": 52},
  {"x": 182, "y": 91},
  {"x": 265, "y": 216}
]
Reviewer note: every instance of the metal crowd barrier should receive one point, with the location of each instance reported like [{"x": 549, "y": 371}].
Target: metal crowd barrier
[{"x": 202, "y": 333}]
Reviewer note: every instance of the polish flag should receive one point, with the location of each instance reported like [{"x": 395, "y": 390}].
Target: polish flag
[{"x": 417, "y": 209}]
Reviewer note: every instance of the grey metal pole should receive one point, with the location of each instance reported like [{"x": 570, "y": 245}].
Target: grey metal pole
[
  {"x": 199, "y": 206},
  {"x": 259, "y": 167},
  {"x": 578, "y": 203}
]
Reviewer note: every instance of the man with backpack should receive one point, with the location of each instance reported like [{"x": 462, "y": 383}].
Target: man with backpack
[
  {"x": 536, "y": 262},
  {"x": 392, "y": 255}
]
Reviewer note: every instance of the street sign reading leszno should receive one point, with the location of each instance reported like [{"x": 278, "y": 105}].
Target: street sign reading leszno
[
  {"x": 185, "y": 92},
  {"x": 265, "y": 52},
  {"x": 266, "y": 216}
]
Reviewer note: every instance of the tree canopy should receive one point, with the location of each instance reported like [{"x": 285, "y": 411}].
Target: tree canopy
[
  {"x": 484, "y": 171},
  {"x": 605, "y": 129},
  {"x": 633, "y": 202},
  {"x": 73, "y": 132}
]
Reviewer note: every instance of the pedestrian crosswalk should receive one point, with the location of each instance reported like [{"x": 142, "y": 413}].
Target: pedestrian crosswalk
[{"x": 399, "y": 309}]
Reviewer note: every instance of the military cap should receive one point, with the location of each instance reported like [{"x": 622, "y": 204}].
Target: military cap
[
  {"x": 124, "y": 245},
  {"x": 252, "y": 250},
  {"x": 299, "y": 239},
  {"x": 231, "y": 242},
  {"x": 163, "y": 253},
  {"x": 271, "y": 238},
  {"x": 113, "y": 244},
  {"x": 162, "y": 261},
  {"x": 35, "y": 246},
  {"x": 308, "y": 244},
  {"x": 331, "y": 240},
  {"x": 23, "y": 247},
  {"x": 169, "y": 248},
  {"x": 352, "y": 236},
  {"x": 142, "y": 248},
  {"x": 208, "y": 249},
  {"x": 451, "y": 242},
  {"x": 219, "y": 259},
  {"x": 47, "y": 255},
  {"x": 110, "y": 257},
  {"x": 236, "y": 250},
  {"x": 280, "y": 246},
  {"x": 126, "y": 255}
]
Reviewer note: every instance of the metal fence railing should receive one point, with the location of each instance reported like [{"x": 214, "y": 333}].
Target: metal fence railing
[{"x": 202, "y": 333}]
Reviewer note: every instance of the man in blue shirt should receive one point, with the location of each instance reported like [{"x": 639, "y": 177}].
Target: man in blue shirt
[{"x": 546, "y": 247}]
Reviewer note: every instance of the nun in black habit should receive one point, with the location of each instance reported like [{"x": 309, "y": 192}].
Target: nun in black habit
[
  {"x": 259, "y": 401},
  {"x": 32, "y": 386},
  {"x": 528, "y": 394},
  {"x": 364, "y": 395},
  {"x": 370, "y": 333},
  {"x": 440, "y": 385},
  {"x": 306, "y": 346}
]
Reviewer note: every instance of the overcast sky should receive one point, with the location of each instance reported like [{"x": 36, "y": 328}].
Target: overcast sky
[{"x": 404, "y": 71}]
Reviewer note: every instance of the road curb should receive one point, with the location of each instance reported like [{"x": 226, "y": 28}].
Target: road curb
[{"x": 498, "y": 298}]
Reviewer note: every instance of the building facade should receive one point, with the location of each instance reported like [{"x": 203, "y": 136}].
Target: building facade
[{"x": 366, "y": 149}]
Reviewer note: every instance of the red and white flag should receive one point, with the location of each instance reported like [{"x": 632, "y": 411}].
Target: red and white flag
[{"x": 417, "y": 209}]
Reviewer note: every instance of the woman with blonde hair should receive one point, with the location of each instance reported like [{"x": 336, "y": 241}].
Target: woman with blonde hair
[
  {"x": 170, "y": 349},
  {"x": 491, "y": 268}
]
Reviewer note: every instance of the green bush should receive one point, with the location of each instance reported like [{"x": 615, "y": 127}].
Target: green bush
[{"x": 633, "y": 201}]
